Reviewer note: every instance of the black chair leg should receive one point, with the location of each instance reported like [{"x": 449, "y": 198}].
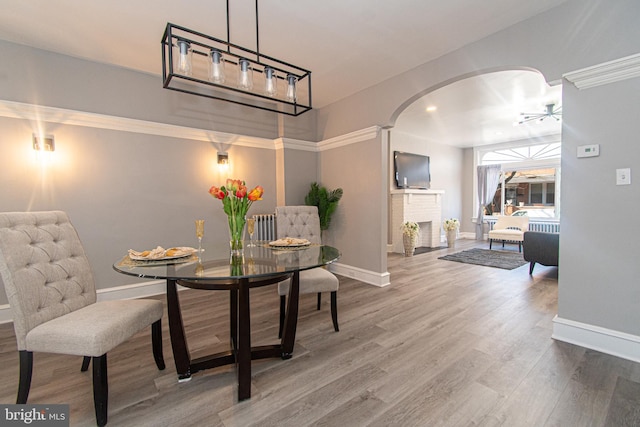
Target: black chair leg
[
  {"x": 520, "y": 247},
  {"x": 490, "y": 243},
  {"x": 156, "y": 343},
  {"x": 26, "y": 369},
  {"x": 85, "y": 364},
  {"x": 503, "y": 244},
  {"x": 283, "y": 306},
  {"x": 334, "y": 310},
  {"x": 319, "y": 301},
  {"x": 531, "y": 265},
  {"x": 100, "y": 389}
]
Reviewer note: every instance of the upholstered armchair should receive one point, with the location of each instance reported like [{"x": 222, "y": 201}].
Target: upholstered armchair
[
  {"x": 509, "y": 229},
  {"x": 51, "y": 291},
  {"x": 303, "y": 222},
  {"x": 541, "y": 248}
]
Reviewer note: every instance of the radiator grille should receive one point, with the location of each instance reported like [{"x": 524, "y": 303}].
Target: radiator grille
[
  {"x": 265, "y": 227},
  {"x": 545, "y": 227},
  {"x": 542, "y": 226}
]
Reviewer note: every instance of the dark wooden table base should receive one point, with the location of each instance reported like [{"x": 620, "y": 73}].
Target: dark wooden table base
[{"x": 241, "y": 352}]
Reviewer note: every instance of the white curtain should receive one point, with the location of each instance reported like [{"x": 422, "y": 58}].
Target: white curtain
[{"x": 488, "y": 180}]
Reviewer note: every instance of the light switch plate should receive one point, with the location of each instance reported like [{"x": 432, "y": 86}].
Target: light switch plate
[
  {"x": 592, "y": 150},
  {"x": 623, "y": 176}
]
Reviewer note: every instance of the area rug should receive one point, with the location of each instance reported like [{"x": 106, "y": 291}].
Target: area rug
[{"x": 490, "y": 258}]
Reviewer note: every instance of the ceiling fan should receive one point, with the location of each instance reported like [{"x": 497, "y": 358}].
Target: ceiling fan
[{"x": 550, "y": 112}]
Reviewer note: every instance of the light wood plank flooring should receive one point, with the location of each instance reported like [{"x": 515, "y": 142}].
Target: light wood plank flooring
[{"x": 447, "y": 344}]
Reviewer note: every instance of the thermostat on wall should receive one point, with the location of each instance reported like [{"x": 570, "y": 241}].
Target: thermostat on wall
[{"x": 589, "y": 150}]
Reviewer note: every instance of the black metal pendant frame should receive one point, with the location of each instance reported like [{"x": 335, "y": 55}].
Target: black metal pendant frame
[{"x": 198, "y": 84}]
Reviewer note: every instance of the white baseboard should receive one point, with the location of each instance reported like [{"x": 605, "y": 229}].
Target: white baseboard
[
  {"x": 604, "y": 340},
  {"x": 366, "y": 276}
]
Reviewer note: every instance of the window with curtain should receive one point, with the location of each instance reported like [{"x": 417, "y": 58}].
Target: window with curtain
[{"x": 529, "y": 179}]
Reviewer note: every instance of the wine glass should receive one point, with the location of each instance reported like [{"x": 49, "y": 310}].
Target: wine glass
[
  {"x": 251, "y": 228},
  {"x": 199, "y": 233}
]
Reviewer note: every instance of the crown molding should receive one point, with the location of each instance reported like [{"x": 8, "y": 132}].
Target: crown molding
[
  {"x": 295, "y": 144},
  {"x": 40, "y": 113},
  {"x": 350, "y": 138},
  {"x": 605, "y": 73}
]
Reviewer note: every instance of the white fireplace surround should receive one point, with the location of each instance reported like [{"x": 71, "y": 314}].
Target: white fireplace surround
[{"x": 421, "y": 206}]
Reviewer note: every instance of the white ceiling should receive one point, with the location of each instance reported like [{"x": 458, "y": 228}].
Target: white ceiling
[
  {"x": 484, "y": 110},
  {"x": 348, "y": 45}
]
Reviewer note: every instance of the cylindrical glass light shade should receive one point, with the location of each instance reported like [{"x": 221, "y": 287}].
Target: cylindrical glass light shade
[
  {"x": 291, "y": 88},
  {"x": 270, "y": 82},
  {"x": 245, "y": 76},
  {"x": 216, "y": 67},
  {"x": 184, "y": 58}
]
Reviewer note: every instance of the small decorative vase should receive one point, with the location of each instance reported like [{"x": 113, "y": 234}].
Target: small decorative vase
[
  {"x": 236, "y": 234},
  {"x": 451, "y": 238},
  {"x": 409, "y": 244}
]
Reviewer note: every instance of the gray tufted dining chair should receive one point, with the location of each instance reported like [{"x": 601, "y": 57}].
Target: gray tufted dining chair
[
  {"x": 303, "y": 222},
  {"x": 51, "y": 291}
]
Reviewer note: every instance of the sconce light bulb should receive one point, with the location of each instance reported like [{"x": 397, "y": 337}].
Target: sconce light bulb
[{"x": 223, "y": 159}]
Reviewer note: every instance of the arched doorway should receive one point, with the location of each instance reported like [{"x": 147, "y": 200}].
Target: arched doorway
[{"x": 450, "y": 121}]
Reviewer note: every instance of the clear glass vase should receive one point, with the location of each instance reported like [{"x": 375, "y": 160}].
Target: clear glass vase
[{"x": 236, "y": 234}]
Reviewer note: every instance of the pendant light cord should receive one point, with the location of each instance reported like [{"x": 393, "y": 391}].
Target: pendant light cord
[{"x": 257, "y": 32}]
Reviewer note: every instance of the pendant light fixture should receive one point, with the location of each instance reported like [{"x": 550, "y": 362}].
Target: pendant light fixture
[{"x": 202, "y": 65}]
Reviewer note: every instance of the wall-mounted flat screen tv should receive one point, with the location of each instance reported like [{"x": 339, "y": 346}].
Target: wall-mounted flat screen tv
[{"x": 411, "y": 170}]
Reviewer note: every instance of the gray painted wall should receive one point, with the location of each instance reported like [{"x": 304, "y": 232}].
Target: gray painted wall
[
  {"x": 301, "y": 169},
  {"x": 358, "y": 227},
  {"x": 125, "y": 190},
  {"x": 599, "y": 248}
]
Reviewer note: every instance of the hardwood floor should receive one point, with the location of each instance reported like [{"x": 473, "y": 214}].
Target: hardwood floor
[{"x": 446, "y": 344}]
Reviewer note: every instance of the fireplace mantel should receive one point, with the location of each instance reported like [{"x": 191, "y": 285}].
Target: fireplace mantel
[{"x": 421, "y": 206}]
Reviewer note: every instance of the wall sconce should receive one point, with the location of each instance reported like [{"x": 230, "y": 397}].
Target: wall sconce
[
  {"x": 45, "y": 143},
  {"x": 223, "y": 159}
]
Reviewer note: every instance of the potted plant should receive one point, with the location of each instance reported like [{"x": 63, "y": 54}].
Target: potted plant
[
  {"x": 451, "y": 227},
  {"x": 410, "y": 232},
  {"x": 326, "y": 201}
]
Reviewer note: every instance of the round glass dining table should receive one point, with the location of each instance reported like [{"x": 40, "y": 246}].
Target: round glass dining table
[{"x": 260, "y": 265}]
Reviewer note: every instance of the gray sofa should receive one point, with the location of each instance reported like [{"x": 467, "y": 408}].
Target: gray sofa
[{"x": 540, "y": 247}]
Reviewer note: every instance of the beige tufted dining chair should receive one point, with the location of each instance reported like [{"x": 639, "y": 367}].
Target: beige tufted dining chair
[
  {"x": 303, "y": 222},
  {"x": 51, "y": 291}
]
